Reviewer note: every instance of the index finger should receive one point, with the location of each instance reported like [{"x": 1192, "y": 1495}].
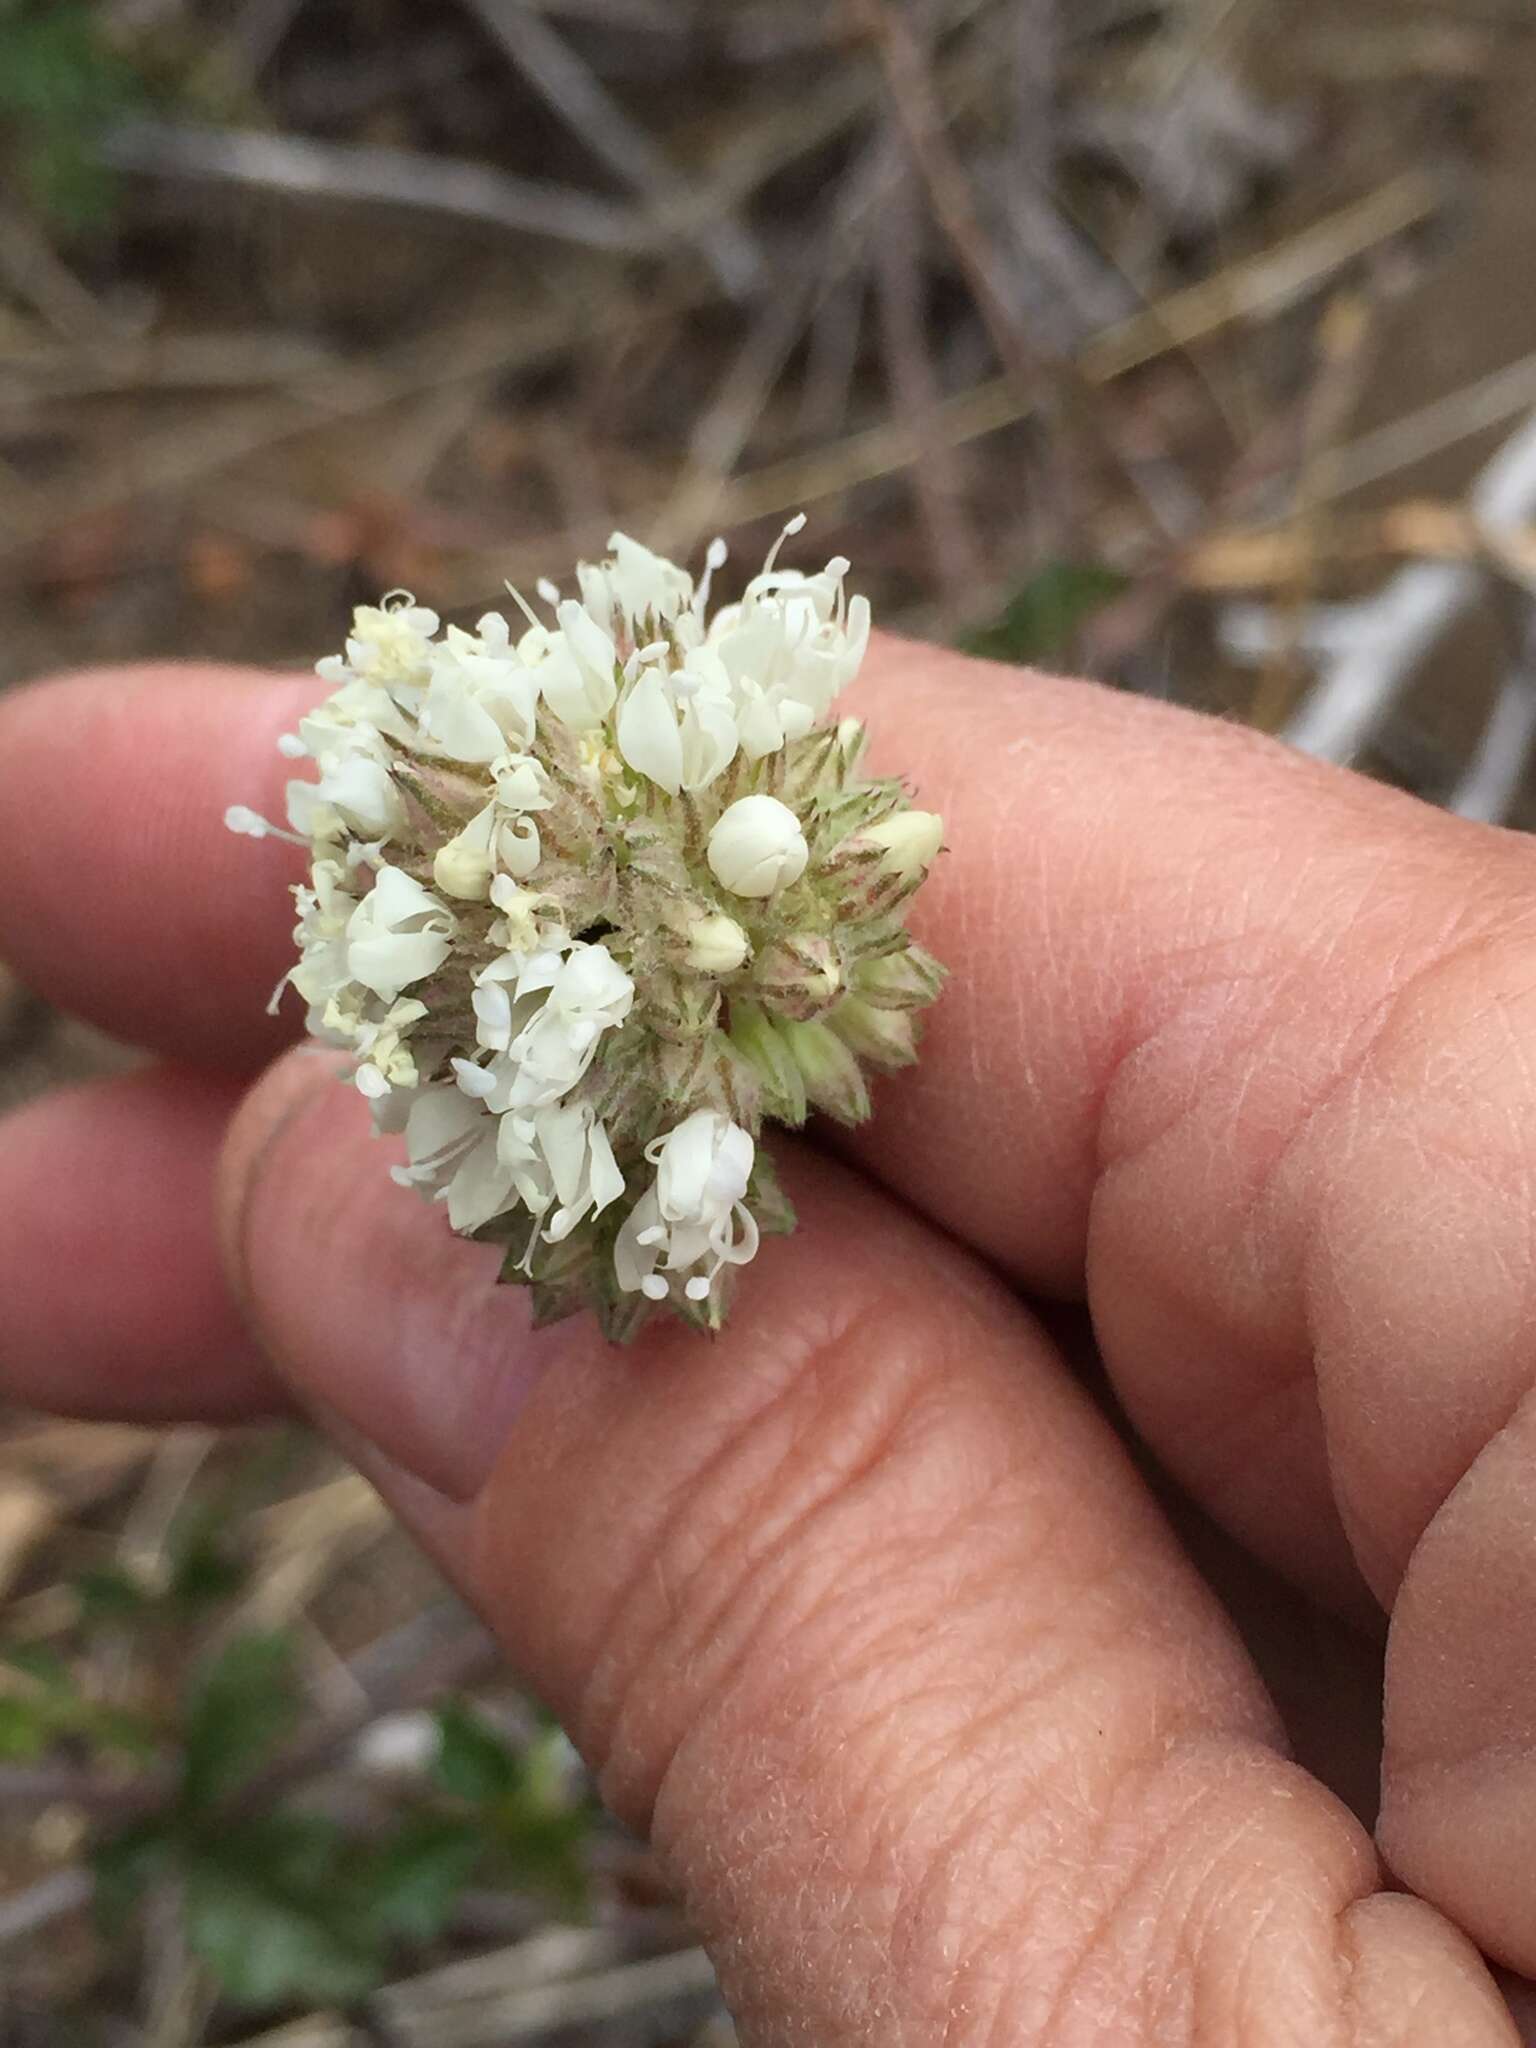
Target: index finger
[{"x": 126, "y": 900}]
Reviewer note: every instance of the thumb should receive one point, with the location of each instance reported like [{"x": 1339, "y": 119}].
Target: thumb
[{"x": 861, "y": 1614}]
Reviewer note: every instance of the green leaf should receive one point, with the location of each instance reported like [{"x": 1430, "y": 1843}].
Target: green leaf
[
  {"x": 61, "y": 83},
  {"x": 273, "y": 1912},
  {"x": 205, "y": 1573},
  {"x": 26, "y": 1729},
  {"x": 44, "y": 1667},
  {"x": 1041, "y": 622},
  {"x": 543, "y": 1825},
  {"x": 110, "y": 1594},
  {"x": 124, "y": 1866},
  {"x": 410, "y": 1883},
  {"x": 473, "y": 1762},
  {"x": 546, "y": 1853},
  {"x": 117, "y": 1729},
  {"x": 244, "y": 1704}
]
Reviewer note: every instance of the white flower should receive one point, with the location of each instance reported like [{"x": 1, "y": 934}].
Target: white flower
[
  {"x": 716, "y": 944},
  {"x": 452, "y": 1145},
  {"x": 542, "y": 1015},
  {"x": 679, "y": 729},
  {"x": 567, "y": 935},
  {"x": 692, "y": 1212},
  {"x": 358, "y": 706},
  {"x": 325, "y": 910},
  {"x": 586, "y": 994},
  {"x": 386, "y": 1062},
  {"x": 910, "y": 840},
  {"x": 577, "y": 671},
  {"x": 529, "y": 921},
  {"x": 482, "y": 698},
  {"x": 483, "y": 1165},
  {"x": 581, "y": 1164},
  {"x": 635, "y": 584},
  {"x": 789, "y": 648},
  {"x": 502, "y": 838},
  {"x": 756, "y": 847},
  {"x": 398, "y": 934},
  {"x": 390, "y": 645},
  {"x": 355, "y": 796}
]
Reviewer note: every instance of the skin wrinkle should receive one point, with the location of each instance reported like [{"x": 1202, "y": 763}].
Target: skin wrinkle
[
  {"x": 730, "y": 1671},
  {"x": 1142, "y": 1895},
  {"x": 607, "y": 1693},
  {"x": 961, "y": 1740},
  {"x": 1194, "y": 1911},
  {"x": 830, "y": 1599},
  {"x": 1408, "y": 1004},
  {"x": 701, "y": 1731}
]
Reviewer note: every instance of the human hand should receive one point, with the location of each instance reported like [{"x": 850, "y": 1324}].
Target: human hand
[{"x": 862, "y": 1612}]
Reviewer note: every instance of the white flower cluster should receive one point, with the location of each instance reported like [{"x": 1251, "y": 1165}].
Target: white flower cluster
[{"x": 545, "y": 869}]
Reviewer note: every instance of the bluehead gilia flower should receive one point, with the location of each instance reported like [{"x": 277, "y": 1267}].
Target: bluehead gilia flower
[{"x": 593, "y": 900}]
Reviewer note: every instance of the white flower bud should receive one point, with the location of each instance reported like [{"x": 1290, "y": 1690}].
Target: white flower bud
[
  {"x": 911, "y": 840},
  {"x": 462, "y": 870},
  {"x": 757, "y": 847},
  {"x": 716, "y": 944}
]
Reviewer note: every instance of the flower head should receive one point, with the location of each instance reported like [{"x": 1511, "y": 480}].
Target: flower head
[{"x": 591, "y": 902}]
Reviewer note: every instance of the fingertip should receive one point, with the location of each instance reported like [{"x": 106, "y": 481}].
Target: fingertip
[
  {"x": 112, "y": 1301},
  {"x": 1415, "y": 1981},
  {"x": 127, "y": 900}
]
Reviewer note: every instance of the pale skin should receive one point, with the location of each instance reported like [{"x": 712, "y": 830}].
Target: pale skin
[{"x": 863, "y": 1613}]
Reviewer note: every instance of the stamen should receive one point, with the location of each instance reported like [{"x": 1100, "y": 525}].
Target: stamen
[
  {"x": 526, "y": 608},
  {"x": 241, "y": 818},
  {"x": 795, "y": 526},
  {"x": 714, "y": 558},
  {"x": 697, "y": 1288},
  {"x": 653, "y": 1287}
]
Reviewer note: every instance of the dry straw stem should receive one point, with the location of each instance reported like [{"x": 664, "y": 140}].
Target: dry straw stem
[
  {"x": 372, "y": 172},
  {"x": 1360, "y": 688},
  {"x": 572, "y": 89},
  {"x": 316, "y": 2030},
  {"x": 174, "y": 460},
  {"x": 1426, "y": 529},
  {"x": 681, "y": 1984},
  {"x": 1492, "y": 779},
  {"x": 1256, "y": 287},
  {"x": 1253, "y": 288}
]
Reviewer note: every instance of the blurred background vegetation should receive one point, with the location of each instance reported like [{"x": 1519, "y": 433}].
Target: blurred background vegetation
[{"x": 1189, "y": 343}]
